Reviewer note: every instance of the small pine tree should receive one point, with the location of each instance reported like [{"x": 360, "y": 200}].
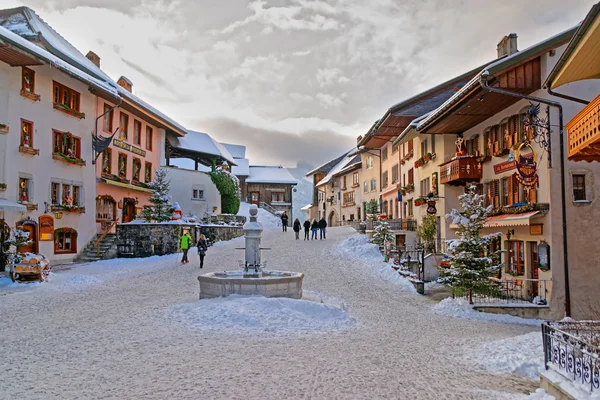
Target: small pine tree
[
  {"x": 160, "y": 209},
  {"x": 372, "y": 209},
  {"x": 471, "y": 262},
  {"x": 427, "y": 232},
  {"x": 382, "y": 234}
]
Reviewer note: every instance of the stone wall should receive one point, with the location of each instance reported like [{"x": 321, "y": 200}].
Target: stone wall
[{"x": 145, "y": 240}]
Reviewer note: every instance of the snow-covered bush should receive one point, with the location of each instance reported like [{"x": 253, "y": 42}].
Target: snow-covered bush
[{"x": 471, "y": 261}]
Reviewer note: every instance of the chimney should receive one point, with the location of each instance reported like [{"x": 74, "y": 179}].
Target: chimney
[
  {"x": 93, "y": 57},
  {"x": 125, "y": 83},
  {"x": 508, "y": 45}
]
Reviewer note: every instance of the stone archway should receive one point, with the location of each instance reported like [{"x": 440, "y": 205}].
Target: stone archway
[{"x": 333, "y": 219}]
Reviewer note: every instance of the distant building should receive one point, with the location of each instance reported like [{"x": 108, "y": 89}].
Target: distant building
[{"x": 270, "y": 187}]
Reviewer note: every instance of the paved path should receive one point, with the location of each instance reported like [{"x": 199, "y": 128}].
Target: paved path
[{"x": 99, "y": 331}]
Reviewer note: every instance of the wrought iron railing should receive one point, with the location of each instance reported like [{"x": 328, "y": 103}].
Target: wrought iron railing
[
  {"x": 572, "y": 349},
  {"x": 511, "y": 291}
]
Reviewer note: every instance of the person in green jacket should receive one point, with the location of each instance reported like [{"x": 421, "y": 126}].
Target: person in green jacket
[{"x": 185, "y": 243}]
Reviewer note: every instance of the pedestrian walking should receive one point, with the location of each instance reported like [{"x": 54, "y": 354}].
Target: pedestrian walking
[
  {"x": 202, "y": 249},
  {"x": 185, "y": 243},
  {"x": 314, "y": 227},
  {"x": 296, "y": 227},
  {"x": 306, "y": 229},
  {"x": 284, "y": 221},
  {"x": 322, "y": 228}
]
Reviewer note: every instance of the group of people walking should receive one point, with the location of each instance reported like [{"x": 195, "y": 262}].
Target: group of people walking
[
  {"x": 314, "y": 226},
  {"x": 186, "y": 242}
]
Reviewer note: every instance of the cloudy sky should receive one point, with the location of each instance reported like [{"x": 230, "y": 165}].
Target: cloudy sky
[{"x": 294, "y": 80}]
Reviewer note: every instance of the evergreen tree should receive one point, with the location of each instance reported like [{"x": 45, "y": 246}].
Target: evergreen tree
[
  {"x": 161, "y": 209},
  {"x": 427, "y": 232},
  {"x": 372, "y": 209},
  {"x": 471, "y": 261},
  {"x": 383, "y": 233}
]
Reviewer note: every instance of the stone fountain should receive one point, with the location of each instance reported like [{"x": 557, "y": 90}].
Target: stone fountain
[{"x": 253, "y": 279}]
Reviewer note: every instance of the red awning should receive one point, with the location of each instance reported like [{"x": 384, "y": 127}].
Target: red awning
[{"x": 523, "y": 219}]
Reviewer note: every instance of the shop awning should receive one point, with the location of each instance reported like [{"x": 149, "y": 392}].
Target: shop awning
[
  {"x": 7, "y": 205},
  {"x": 126, "y": 185},
  {"x": 506, "y": 220}
]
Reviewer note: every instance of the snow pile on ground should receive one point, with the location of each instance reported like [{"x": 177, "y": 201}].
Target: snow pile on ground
[
  {"x": 460, "y": 308},
  {"x": 360, "y": 249},
  {"x": 267, "y": 219},
  {"x": 257, "y": 313},
  {"x": 521, "y": 355}
]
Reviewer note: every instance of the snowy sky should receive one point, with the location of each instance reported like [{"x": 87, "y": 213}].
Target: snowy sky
[{"x": 294, "y": 80}]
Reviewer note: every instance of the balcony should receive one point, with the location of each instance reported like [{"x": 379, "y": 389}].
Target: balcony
[
  {"x": 584, "y": 133},
  {"x": 460, "y": 171}
]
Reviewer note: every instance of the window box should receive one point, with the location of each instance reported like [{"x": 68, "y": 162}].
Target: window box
[
  {"x": 424, "y": 160},
  {"x": 69, "y": 160},
  {"x": 68, "y": 110},
  {"x": 113, "y": 177},
  {"x": 420, "y": 201},
  {"x": 2, "y": 187},
  {"x": 30, "y": 206},
  {"x": 31, "y": 96},
  {"x": 4, "y": 129},
  {"x": 29, "y": 150},
  {"x": 69, "y": 209},
  {"x": 485, "y": 159},
  {"x": 501, "y": 153},
  {"x": 519, "y": 209}
]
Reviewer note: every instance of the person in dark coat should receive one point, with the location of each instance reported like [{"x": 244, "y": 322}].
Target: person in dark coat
[
  {"x": 306, "y": 229},
  {"x": 202, "y": 249},
  {"x": 314, "y": 227},
  {"x": 322, "y": 228},
  {"x": 297, "y": 228},
  {"x": 284, "y": 221}
]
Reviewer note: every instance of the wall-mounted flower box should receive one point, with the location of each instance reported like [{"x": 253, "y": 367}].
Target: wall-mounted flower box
[
  {"x": 4, "y": 129},
  {"x": 70, "y": 160},
  {"x": 484, "y": 159},
  {"x": 29, "y": 150},
  {"x": 424, "y": 160},
  {"x": 68, "y": 110},
  {"x": 70, "y": 209},
  {"x": 30, "y": 206},
  {"x": 116, "y": 178},
  {"x": 31, "y": 96},
  {"x": 520, "y": 209},
  {"x": 501, "y": 153},
  {"x": 2, "y": 187},
  {"x": 420, "y": 201}
]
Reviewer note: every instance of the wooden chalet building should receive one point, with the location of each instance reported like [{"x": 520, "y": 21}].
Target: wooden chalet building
[{"x": 270, "y": 187}]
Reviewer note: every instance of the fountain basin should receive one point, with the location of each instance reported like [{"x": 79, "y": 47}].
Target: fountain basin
[{"x": 267, "y": 283}]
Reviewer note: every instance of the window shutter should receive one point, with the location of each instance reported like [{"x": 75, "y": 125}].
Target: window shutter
[
  {"x": 510, "y": 191},
  {"x": 533, "y": 196}
]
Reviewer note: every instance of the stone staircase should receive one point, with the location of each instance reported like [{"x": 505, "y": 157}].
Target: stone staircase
[
  {"x": 106, "y": 249},
  {"x": 270, "y": 209}
]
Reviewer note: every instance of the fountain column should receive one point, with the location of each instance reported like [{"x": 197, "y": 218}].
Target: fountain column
[{"x": 252, "y": 234}]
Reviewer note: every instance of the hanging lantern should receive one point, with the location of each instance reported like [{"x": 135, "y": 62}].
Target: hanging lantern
[{"x": 58, "y": 215}]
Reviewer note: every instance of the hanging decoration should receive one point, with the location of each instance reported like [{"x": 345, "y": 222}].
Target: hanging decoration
[
  {"x": 538, "y": 129},
  {"x": 526, "y": 167}
]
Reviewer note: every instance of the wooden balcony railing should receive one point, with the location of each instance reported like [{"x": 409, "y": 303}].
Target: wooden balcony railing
[
  {"x": 460, "y": 171},
  {"x": 584, "y": 133}
]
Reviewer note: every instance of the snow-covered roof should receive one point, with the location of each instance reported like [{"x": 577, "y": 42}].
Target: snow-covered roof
[
  {"x": 242, "y": 168},
  {"x": 306, "y": 207},
  {"x": 38, "y": 29},
  {"x": 236, "y": 150},
  {"x": 345, "y": 162},
  {"x": 269, "y": 174},
  {"x": 201, "y": 142},
  {"x": 56, "y": 62},
  {"x": 327, "y": 166}
]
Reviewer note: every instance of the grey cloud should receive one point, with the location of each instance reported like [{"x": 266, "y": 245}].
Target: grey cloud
[{"x": 273, "y": 147}]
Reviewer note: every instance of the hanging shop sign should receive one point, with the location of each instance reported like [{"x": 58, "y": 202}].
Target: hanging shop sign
[
  {"x": 536, "y": 229},
  {"x": 526, "y": 166},
  {"x": 126, "y": 146},
  {"x": 431, "y": 207},
  {"x": 46, "y": 223}
]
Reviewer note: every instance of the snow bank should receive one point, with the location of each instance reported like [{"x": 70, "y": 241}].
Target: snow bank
[
  {"x": 268, "y": 220},
  {"x": 358, "y": 248},
  {"x": 520, "y": 355},
  {"x": 460, "y": 308},
  {"x": 257, "y": 313}
]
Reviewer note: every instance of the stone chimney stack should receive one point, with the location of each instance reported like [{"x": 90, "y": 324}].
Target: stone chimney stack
[
  {"x": 508, "y": 45},
  {"x": 125, "y": 83},
  {"x": 93, "y": 57}
]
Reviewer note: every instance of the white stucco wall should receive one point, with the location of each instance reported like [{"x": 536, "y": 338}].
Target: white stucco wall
[
  {"x": 183, "y": 181},
  {"x": 43, "y": 168}
]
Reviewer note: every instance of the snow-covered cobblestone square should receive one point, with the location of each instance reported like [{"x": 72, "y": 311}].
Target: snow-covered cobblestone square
[{"x": 133, "y": 328}]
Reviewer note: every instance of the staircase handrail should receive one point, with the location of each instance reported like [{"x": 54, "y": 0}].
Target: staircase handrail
[
  {"x": 104, "y": 233},
  {"x": 268, "y": 207}
]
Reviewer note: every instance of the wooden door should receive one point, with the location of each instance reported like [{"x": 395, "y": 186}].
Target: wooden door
[
  {"x": 128, "y": 212},
  {"x": 255, "y": 197},
  {"x": 533, "y": 268},
  {"x": 30, "y": 227},
  {"x": 400, "y": 241}
]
